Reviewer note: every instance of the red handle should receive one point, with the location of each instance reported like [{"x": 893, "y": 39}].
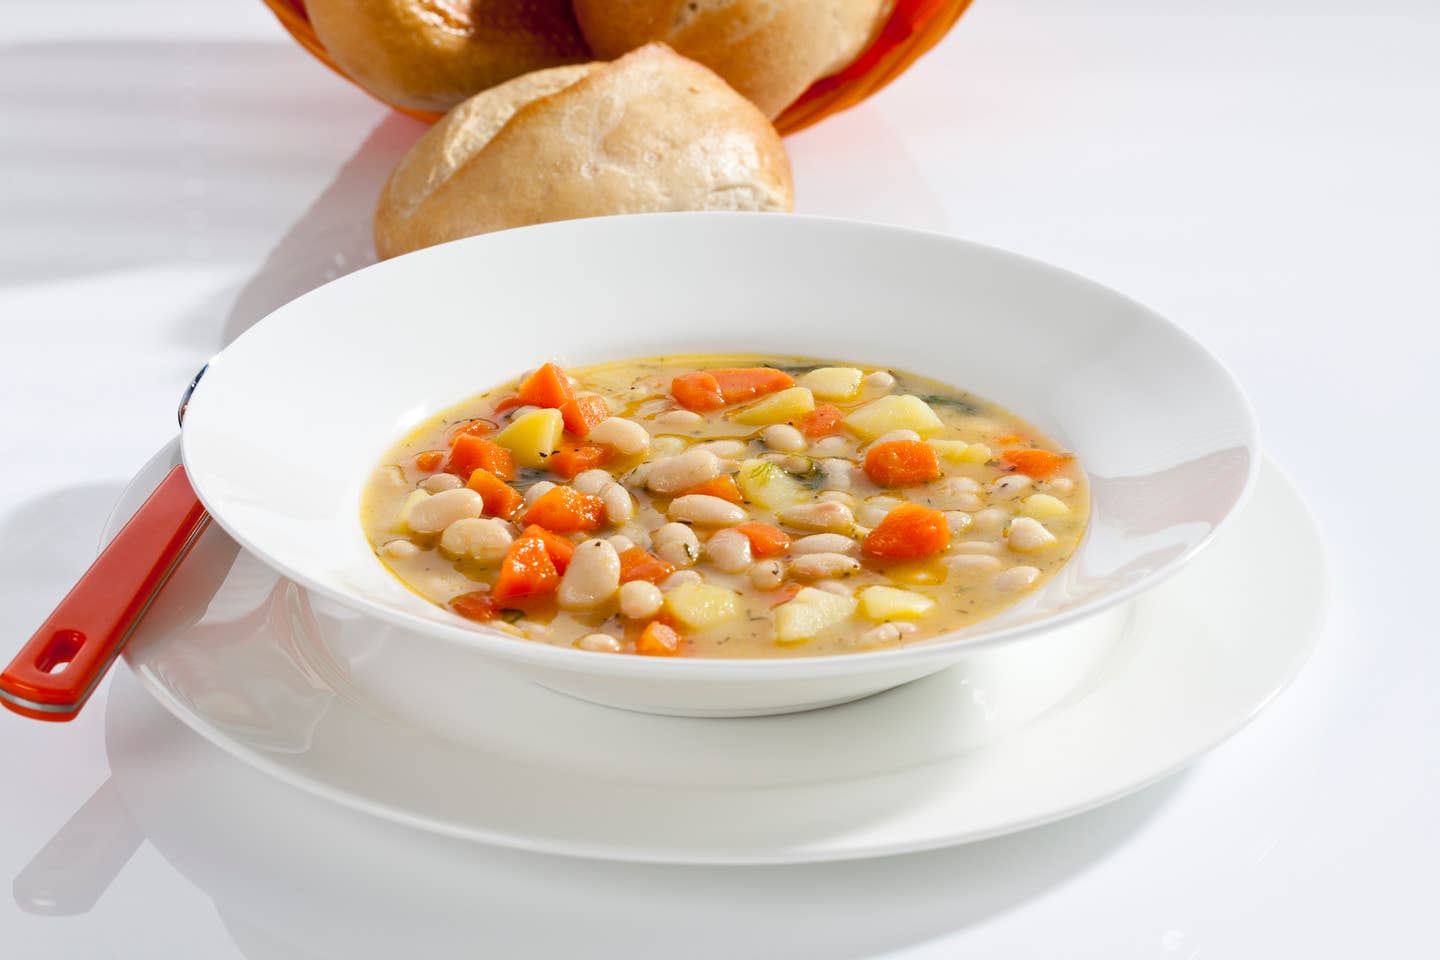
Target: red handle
[{"x": 54, "y": 674}]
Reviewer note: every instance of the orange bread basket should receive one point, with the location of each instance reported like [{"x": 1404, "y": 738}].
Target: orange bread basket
[{"x": 914, "y": 27}]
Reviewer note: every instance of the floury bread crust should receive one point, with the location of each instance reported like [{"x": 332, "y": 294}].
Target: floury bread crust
[{"x": 649, "y": 132}]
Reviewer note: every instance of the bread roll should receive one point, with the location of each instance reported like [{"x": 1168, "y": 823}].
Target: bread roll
[
  {"x": 431, "y": 54},
  {"x": 648, "y": 132},
  {"x": 769, "y": 50}
]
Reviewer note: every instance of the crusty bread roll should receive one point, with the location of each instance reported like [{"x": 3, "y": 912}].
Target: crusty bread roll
[
  {"x": 651, "y": 131},
  {"x": 769, "y": 50},
  {"x": 431, "y": 54}
]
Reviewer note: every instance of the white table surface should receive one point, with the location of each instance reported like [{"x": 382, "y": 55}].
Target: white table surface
[{"x": 1263, "y": 172}]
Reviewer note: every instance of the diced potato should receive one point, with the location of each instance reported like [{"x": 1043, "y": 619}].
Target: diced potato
[
  {"x": 833, "y": 383},
  {"x": 778, "y": 407},
  {"x": 918, "y": 574},
  {"x": 533, "y": 436},
  {"x": 766, "y": 485},
  {"x": 402, "y": 516},
  {"x": 888, "y": 603},
  {"x": 700, "y": 605},
  {"x": 1042, "y": 506},
  {"x": 905, "y": 412},
  {"x": 958, "y": 451},
  {"x": 811, "y": 612}
]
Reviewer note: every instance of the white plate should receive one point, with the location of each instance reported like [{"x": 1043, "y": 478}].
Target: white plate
[
  {"x": 259, "y": 667},
  {"x": 293, "y": 416}
]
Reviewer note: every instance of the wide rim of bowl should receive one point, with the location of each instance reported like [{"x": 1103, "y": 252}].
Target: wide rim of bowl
[{"x": 503, "y": 646}]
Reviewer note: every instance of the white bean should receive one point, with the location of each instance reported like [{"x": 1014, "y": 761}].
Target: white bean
[
  {"x": 893, "y": 435},
  {"x": 789, "y": 462},
  {"x": 705, "y": 510},
  {"x": 767, "y": 574},
  {"x": 662, "y": 447},
  {"x": 619, "y": 505},
  {"x": 537, "y": 490},
  {"x": 591, "y": 481},
  {"x": 783, "y": 437},
  {"x": 825, "y": 543},
  {"x": 440, "y": 483},
  {"x": 837, "y": 496},
  {"x": 689, "y": 469},
  {"x": 729, "y": 551},
  {"x": 992, "y": 547},
  {"x": 1011, "y": 485},
  {"x": 990, "y": 520},
  {"x": 832, "y": 447},
  {"x": 1028, "y": 535},
  {"x": 825, "y": 517},
  {"x": 952, "y": 493},
  {"x": 437, "y": 512},
  {"x": 879, "y": 380},
  {"x": 636, "y": 478},
  {"x": 725, "y": 449},
  {"x": 592, "y": 578},
  {"x": 813, "y": 565},
  {"x": 958, "y": 521},
  {"x": 640, "y": 600},
  {"x": 620, "y": 542},
  {"x": 680, "y": 418},
  {"x": 485, "y": 540},
  {"x": 839, "y": 474},
  {"x": 1016, "y": 578},
  {"x": 972, "y": 563},
  {"x": 626, "y": 436},
  {"x": 886, "y": 633},
  {"x": 676, "y": 544},
  {"x": 599, "y": 643},
  {"x": 399, "y": 549},
  {"x": 874, "y": 509},
  {"x": 1060, "y": 485},
  {"x": 679, "y": 578},
  {"x": 834, "y": 586}
]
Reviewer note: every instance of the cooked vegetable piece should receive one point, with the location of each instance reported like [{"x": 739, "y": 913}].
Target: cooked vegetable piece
[
  {"x": 811, "y": 612},
  {"x": 527, "y": 574},
  {"x": 573, "y": 459},
  {"x": 701, "y": 605},
  {"x": 765, "y": 540},
  {"x": 479, "y": 427},
  {"x": 476, "y": 605},
  {"x": 908, "y": 532},
  {"x": 1038, "y": 464},
  {"x": 582, "y": 414},
  {"x": 903, "y": 412},
  {"x": 533, "y": 436},
  {"x": 1042, "y": 506},
  {"x": 766, "y": 485},
  {"x": 781, "y": 407},
  {"x": 501, "y": 499},
  {"x": 883, "y": 603},
  {"x": 638, "y": 564},
  {"x": 723, "y": 487},
  {"x": 901, "y": 463},
  {"x": 961, "y": 452},
  {"x": 546, "y": 387},
  {"x": 739, "y": 384},
  {"x": 470, "y": 453},
  {"x": 834, "y": 383},
  {"x": 658, "y": 639},
  {"x": 823, "y": 421},
  {"x": 429, "y": 461},
  {"x": 560, "y": 549},
  {"x": 699, "y": 392},
  {"x": 566, "y": 510}
]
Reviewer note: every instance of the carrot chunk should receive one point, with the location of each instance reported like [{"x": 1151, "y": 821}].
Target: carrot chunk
[
  {"x": 723, "y": 487},
  {"x": 823, "y": 421},
  {"x": 901, "y": 463},
  {"x": 572, "y": 459},
  {"x": 584, "y": 414},
  {"x": 697, "y": 391},
  {"x": 429, "y": 461},
  {"x": 469, "y": 453},
  {"x": 566, "y": 510},
  {"x": 501, "y": 499},
  {"x": 739, "y": 384},
  {"x": 1036, "y": 463},
  {"x": 658, "y": 640},
  {"x": 560, "y": 549},
  {"x": 908, "y": 532},
  {"x": 479, "y": 427},
  {"x": 506, "y": 404},
  {"x": 785, "y": 594},
  {"x": 526, "y": 574},
  {"x": 476, "y": 605},
  {"x": 546, "y": 387},
  {"x": 765, "y": 540},
  {"x": 637, "y": 564}
]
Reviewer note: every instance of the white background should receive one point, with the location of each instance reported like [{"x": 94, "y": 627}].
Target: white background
[{"x": 1264, "y": 172}]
